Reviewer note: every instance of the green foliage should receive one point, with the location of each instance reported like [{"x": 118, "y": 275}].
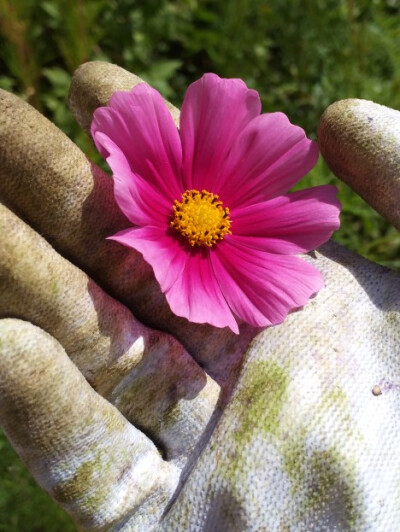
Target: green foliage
[
  {"x": 24, "y": 507},
  {"x": 300, "y": 57}
]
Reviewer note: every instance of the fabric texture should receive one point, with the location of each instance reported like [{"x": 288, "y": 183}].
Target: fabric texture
[
  {"x": 304, "y": 444},
  {"x": 293, "y": 428},
  {"x": 371, "y": 165}
]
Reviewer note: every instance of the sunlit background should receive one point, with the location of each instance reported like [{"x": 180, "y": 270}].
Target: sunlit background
[{"x": 300, "y": 56}]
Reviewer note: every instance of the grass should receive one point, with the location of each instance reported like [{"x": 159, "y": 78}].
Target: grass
[{"x": 24, "y": 507}]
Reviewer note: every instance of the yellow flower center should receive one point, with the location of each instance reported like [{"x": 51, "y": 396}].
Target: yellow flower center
[{"x": 201, "y": 218}]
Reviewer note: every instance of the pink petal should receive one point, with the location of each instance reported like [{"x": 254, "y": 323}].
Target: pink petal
[
  {"x": 214, "y": 112},
  {"x": 140, "y": 126},
  {"x": 260, "y": 287},
  {"x": 141, "y": 203},
  {"x": 294, "y": 223},
  {"x": 196, "y": 294},
  {"x": 159, "y": 249},
  {"x": 184, "y": 274},
  {"x": 267, "y": 159}
]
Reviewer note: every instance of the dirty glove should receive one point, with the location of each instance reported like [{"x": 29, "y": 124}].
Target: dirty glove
[{"x": 129, "y": 430}]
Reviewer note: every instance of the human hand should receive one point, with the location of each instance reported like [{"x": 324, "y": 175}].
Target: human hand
[{"x": 294, "y": 446}]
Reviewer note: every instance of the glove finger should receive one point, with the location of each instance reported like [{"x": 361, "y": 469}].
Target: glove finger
[
  {"x": 92, "y": 86},
  {"x": 79, "y": 448},
  {"x": 52, "y": 185},
  {"x": 360, "y": 141},
  {"x": 145, "y": 373},
  {"x": 71, "y": 203}
]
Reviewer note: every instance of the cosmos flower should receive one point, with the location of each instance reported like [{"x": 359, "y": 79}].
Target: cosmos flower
[{"x": 209, "y": 205}]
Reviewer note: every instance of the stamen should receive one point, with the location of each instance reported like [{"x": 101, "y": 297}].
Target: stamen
[{"x": 201, "y": 218}]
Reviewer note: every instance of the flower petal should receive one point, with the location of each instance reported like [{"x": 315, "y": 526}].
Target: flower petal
[
  {"x": 196, "y": 294},
  {"x": 140, "y": 126},
  {"x": 213, "y": 114},
  {"x": 295, "y": 223},
  {"x": 267, "y": 159},
  {"x": 159, "y": 249},
  {"x": 141, "y": 203},
  {"x": 260, "y": 287},
  {"x": 184, "y": 274}
]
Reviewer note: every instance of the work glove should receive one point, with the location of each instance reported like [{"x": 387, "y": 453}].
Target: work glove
[{"x": 176, "y": 426}]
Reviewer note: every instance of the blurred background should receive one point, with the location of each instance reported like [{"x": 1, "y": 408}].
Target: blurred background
[{"x": 300, "y": 56}]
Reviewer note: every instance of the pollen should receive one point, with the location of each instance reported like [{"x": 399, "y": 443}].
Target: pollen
[{"x": 201, "y": 218}]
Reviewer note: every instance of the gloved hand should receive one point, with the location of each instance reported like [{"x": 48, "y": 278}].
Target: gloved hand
[{"x": 125, "y": 429}]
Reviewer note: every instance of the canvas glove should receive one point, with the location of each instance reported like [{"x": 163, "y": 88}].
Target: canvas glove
[{"x": 129, "y": 430}]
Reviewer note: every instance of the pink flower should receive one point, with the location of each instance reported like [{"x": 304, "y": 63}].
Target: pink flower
[{"x": 209, "y": 204}]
